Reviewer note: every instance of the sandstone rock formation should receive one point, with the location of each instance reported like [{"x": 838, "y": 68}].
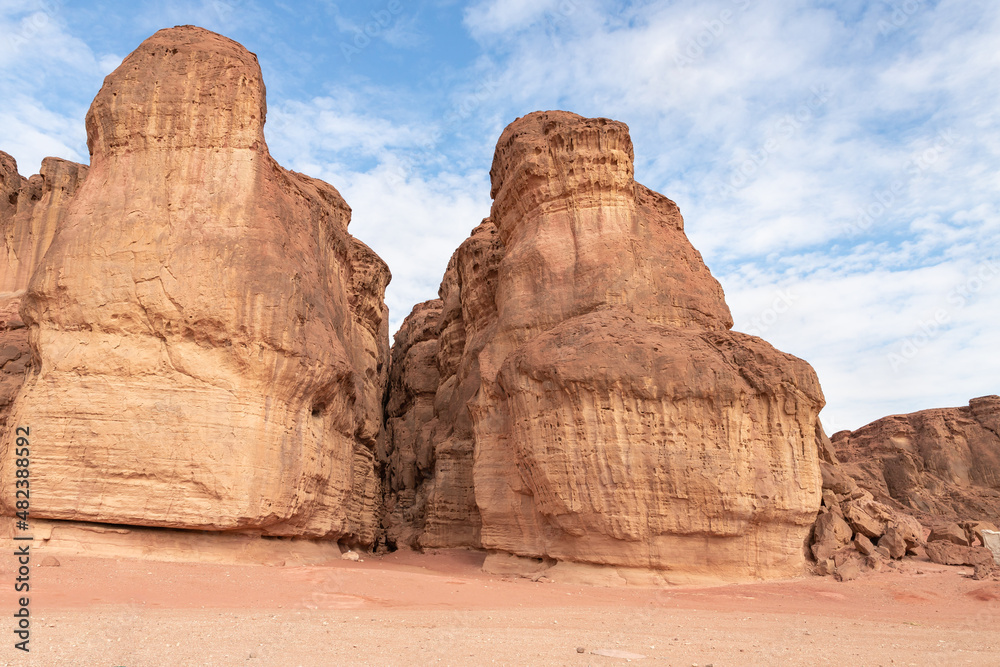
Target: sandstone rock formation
[
  {"x": 31, "y": 209},
  {"x": 212, "y": 343},
  {"x": 854, "y": 532},
  {"x": 941, "y": 465},
  {"x": 589, "y": 386},
  {"x": 430, "y": 495},
  {"x": 15, "y": 357},
  {"x": 887, "y": 480}
]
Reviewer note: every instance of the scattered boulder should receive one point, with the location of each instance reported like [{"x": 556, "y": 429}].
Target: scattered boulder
[
  {"x": 874, "y": 563},
  {"x": 830, "y": 502},
  {"x": 832, "y": 528},
  {"x": 848, "y": 570},
  {"x": 829, "y": 534},
  {"x": 974, "y": 530},
  {"x": 909, "y": 529},
  {"x": 879, "y": 531},
  {"x": 837, "y": 481},
  {"x": 951, "y": 532},
  {"x": 863, "y": 545},
  {"x": 858, "y": 517},
  {"x": 892, "y": 541},
  {"x": 826, "y": 566},
  {"x": 944, "y": 552}
]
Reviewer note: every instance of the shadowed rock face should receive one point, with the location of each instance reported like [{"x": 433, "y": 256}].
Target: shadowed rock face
[
  {"x": 212, "y": 343},
  {"x": 15, "y": 357},
  {"x": 589, "y": 389},
  {"x": 940, "y": 464}
]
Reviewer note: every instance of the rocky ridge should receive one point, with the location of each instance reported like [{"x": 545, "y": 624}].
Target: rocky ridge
[{"x": 924, "y": 483}]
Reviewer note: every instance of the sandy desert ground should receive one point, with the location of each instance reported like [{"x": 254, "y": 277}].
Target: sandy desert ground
[{"x": 407, "y": 608}]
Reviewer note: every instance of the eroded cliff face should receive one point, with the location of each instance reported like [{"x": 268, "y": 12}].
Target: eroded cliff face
[
  {"x": 211, "y": 342},
  {"x": 435, "y": 373},
  {"x": 940, "y": 464},
  {"x": 587, "y": 371},
  {"x": 31, "y": 209}
]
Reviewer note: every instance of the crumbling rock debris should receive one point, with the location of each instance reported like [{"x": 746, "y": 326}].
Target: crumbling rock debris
[
  {"x": 951, "y": 532},
  {"x": 949, "y": 553}
]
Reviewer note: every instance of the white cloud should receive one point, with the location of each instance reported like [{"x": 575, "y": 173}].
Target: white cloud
[
  {"x": 38, "y": 57},
  {"x": 407, "y": 208},
  {"x": 493, "y": 17},
  {"x": 334, "y": 124},
  {"x": 31, "y": 132}
]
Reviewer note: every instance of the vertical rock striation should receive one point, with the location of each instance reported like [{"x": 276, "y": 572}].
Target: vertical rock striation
[
  {"x": 212, "y": 342},
  {"x": 435, "y": 368},
  {"x": 31, "y": 209},
  {"x": 607, "y": 413}
]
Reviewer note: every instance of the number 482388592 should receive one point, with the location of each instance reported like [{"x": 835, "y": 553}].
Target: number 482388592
[{"x": 21, "y": 473}]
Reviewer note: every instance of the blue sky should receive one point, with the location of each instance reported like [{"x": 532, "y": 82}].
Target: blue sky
[{"x": 837, "y": 163}]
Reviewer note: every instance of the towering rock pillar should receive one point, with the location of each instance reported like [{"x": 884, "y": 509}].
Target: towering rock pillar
[
  {"x": 616, "y": 419},
  {"x": 212, "y": 342}
]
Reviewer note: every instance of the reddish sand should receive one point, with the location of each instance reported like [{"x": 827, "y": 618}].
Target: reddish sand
[{"x": 414, "y": 609}]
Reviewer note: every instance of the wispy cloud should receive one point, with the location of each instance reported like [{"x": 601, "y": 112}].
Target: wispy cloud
[{"x": 408, "y": 203}]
